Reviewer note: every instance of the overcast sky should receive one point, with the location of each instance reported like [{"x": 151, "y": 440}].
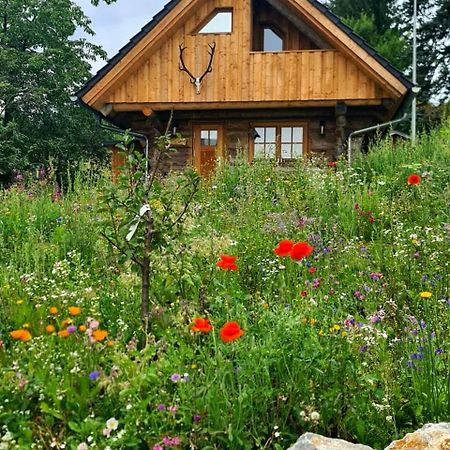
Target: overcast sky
[{"x": 115, "y": 24}]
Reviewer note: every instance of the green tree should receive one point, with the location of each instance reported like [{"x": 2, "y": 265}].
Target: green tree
[
  {"x": 41, "y": 64},
  {"x": 433, "y": 49},
  {"x": 377, "y": 22}
]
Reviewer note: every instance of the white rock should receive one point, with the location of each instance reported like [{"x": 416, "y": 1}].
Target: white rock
[
  {"x": 311, "y": 441},
  {"x": 433, "y": 436}
]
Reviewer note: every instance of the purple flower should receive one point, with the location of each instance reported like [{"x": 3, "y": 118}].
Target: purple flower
[
  {"x": 71, "y": 329},
  {"x": 439, "y": 351},
  {"x": 175, "y": 377},
  {"x": 196, "y": 418},
  {"x": 172, "y": 409},
  {"x": 94, "y": 375},
  {"x": 186, "y": 378},
  {"x": 359, "y": 295},
  {"x": 157, "y": 447},
  {"x": 363, "y": 348},
  {"x": 161, "y": 407},
  {"x": 376, "y": 276}
]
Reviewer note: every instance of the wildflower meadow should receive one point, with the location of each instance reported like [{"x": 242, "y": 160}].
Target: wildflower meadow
[{"x": 313, "y": 298}]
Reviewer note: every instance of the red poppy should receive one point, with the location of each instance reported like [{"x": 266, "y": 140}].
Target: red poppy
[
  {"x": 414, "y": 179},
  {"x": 227, "y": 262},
  {"x": 312, "y": 270},
  {"x": 301, "y": 250},
  {"x": 201, "y": 325},
  {"x": 230, "y": 332},
  {"x": 331, "y": 164},
  {"x": 284, "y": 248}
]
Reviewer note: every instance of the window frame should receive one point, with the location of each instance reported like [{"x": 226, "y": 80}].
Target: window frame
[
  {"x": 278, "y": 125},
  {"x": 209, "y": 17}
]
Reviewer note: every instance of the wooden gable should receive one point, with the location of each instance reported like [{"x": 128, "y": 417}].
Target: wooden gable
[{"x": 321, "y": 65}]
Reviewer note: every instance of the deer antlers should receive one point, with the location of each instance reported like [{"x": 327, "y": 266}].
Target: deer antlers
[{"x": 197, "y": 81}]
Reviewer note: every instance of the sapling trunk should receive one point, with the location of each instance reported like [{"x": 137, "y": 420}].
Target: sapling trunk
[{"x": 145, "y": 273}]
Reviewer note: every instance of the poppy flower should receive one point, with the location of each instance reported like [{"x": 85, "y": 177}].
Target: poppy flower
[
  {"x": 99, "y": 335},
  {"x": 414, "y": 179},
  {"x": 284, "y": 248},
  {"x": 201, "y": 325},
  {"x": 21, "y": 335},
  {"x": 227, "y": 262},
  {"x": 50, "y": 329},
  {"x": 301, "y": 250},
  {"x": 230, "y": 332},
  {"x": 53, "y": 310},
  {"x": 74, "y": 310},
  {"x": 82, "y": 327},
  {"x": 331, "y": 163}
]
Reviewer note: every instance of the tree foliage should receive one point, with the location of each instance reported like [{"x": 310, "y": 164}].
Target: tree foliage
[{"x": 41, "y": 64}]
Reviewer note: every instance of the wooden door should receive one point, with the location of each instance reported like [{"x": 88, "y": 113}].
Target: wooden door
[{"x": 208, "y": 146}]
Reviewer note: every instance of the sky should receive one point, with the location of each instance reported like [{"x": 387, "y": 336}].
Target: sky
[{"x": 115, "y": 24}]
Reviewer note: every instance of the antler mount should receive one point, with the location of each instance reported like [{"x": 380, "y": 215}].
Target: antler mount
[{"x": 197, "y": 81}]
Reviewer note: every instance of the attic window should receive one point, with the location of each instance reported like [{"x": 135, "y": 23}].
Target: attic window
[
  {"x": 219, "y": 22},
  {"x": 272, "y": 41}
]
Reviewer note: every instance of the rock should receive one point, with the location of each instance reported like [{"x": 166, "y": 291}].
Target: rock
[
  {"x": 429, "y": 437},
  {"x": 311, "y": 441}
]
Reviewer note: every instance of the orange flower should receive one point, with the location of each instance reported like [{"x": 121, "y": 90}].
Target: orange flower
[
  {"x": 227, "y": 262},
  {"x": 66, "y": 322},
  {"x": 301, "y": 250},
  {"x": 53, "y": 310},
  {"x": 230, "y": 332},
  {"x": 50, "y": 329},
  {"x": 201, "y": 325},
  {"x": 99, "y": 335},
  {"x": 74, "y": 310},
  {"x": 111, "y": 343},
  {"x": 82, "y": 327},
  {"x": 63, "y": 333},
  {"x": 414, "y": 179},
  {"x": 21, "y": 335},
  {"x": 284, "y": 248}
]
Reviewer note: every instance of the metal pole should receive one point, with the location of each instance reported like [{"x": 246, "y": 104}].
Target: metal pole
[{"x": 414, "y": 75}]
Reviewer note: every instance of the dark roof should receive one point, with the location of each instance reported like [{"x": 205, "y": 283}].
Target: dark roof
[{"x": 173, "y": 3}]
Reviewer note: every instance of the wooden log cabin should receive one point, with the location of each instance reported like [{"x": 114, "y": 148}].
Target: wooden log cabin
[{"x": 280, "y": 79}]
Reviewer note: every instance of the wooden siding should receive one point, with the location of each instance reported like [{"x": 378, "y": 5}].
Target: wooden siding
[{"x": 240, "y": 75}]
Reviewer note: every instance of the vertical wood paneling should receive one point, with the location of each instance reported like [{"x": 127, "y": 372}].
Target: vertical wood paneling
[{"x": 239, "y": 74}]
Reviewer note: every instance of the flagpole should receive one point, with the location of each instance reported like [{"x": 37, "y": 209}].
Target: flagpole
[{"x": 414, "y": 75}]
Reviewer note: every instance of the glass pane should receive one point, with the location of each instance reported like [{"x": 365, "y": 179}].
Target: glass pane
[
  {"x": 271, "y": 134},
  {"x": 260, "y": 137},
  {"x": 286, "y": 151},
  {"x": 286, "y": 134},
  {"x": 204, "y": 137},
  {"x": 298, "y": 134},
  {"x": 220, "y": 23},
  {"x": 270, "y": 150},
  {"x": 298, "y": 150},
  {"x": 272, "y": 42},
  {"x": 213, "y": 137},
  {"x": 259, "y": 151}
]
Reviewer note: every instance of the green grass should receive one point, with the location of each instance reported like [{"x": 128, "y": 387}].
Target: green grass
[{"x": 340, "y": 343}]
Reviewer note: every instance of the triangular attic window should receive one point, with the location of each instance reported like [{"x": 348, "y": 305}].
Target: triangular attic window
[{"x": 220, "y": 22}]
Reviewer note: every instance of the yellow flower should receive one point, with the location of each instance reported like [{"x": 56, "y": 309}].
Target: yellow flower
[
  {"x": 425, "y": 294},
  {"x": 66, "y": 322},
  {"x": 312, "y": 321},
  {"x": 335, "y": 327},
  {"x": 344, "y": 334},
  {"x": 304, "y": 321},
  {"x": 19, "y": 302},
  {"x": 320, "y": 333},
  {"x": 26, "y": 325},
  {"x": 265, "y": 306}
]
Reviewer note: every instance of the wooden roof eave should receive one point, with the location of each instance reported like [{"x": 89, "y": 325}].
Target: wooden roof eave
[
  {"x": 349, "y": 47},
  {"x": 93, "y": 97}
]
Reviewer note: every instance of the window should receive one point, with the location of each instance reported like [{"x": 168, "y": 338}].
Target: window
[
  {"x": 284, "y": 142},
  {"x": 208, "y": 138},
  {"x": 220, "y": 22},
  {"x": 272, "y": 41}
]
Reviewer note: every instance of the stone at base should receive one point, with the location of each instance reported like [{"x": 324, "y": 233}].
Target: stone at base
[
  {"x": 430, "y": 437},
  {"x": 311, "y": 441}
]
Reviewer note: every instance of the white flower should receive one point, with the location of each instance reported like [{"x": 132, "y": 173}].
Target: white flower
[
  {"x": 314, "y": 416},
  {"x": 112, "y": 424}
]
